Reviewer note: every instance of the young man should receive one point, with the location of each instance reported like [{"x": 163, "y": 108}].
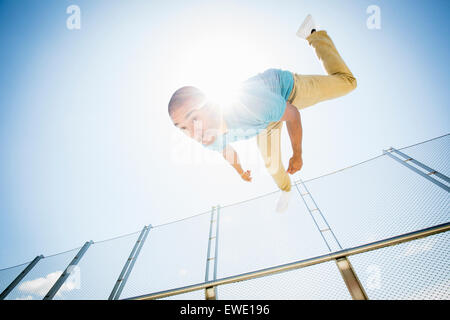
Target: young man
[{"x": 264, "y": 102}]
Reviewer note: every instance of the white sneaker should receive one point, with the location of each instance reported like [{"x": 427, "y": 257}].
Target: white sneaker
[
  {"x": 307, "y": 26},
  {"x": 283, "y": 201}
]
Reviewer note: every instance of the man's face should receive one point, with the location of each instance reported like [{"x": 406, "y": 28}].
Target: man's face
[{"x": 197, "y": 123}]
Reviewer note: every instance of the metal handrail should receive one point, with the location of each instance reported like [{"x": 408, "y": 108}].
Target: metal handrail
[{"x": 301, "y": 263}]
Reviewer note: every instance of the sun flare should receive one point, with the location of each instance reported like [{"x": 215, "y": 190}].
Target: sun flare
[{"x": 218, "y": 63}]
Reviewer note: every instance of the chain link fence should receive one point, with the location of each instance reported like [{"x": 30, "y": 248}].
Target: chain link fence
[{"x": 365, "y": 203}]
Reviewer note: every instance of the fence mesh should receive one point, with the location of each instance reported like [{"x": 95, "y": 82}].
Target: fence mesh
[
  {"x": 378, "y": 199},
  {"x": 37, "y": 283},
  {"x": 253, "y": 236},
  {"x": 98, "y": 270},
  {"x": 317, "y": 282},
  {"x": 373, "y": 200},
  {"x": 434, "y": 153},
  {"x": 174, "y": 255},
  {"x": 414, "y": 270},
  {"x": 8, "y": 275}
]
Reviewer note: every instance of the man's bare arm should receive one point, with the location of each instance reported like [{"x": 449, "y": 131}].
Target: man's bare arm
[
  {"x": 232, "y": 157},
  {"x": 294, "y": 126}
]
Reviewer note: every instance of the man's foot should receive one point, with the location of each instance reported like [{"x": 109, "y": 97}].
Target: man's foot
[
  {"x": 308, "y": 26},
  {"x": 283, "y": 201}
]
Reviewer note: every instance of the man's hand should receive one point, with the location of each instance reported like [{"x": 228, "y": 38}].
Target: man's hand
[
  {"x": 246, "y": 175},
  {"x": 295, "y": 164}
]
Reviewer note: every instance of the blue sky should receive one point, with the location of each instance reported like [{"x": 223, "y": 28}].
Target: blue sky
[{"x": 87, "y": 148}]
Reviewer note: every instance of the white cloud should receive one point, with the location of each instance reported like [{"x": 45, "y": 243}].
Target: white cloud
[
  {"x": 25, "y": 298},
  {"x": 41, "y": 286}
]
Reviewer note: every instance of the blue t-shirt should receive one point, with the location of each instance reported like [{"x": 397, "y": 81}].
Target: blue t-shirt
[{"x": 261, "y": 100}]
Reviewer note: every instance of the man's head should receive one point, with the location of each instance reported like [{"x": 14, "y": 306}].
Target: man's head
[{"x": 194, "y": 115}]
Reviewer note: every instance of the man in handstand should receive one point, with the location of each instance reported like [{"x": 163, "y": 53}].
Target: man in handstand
[{"x": 264, "y": 102}]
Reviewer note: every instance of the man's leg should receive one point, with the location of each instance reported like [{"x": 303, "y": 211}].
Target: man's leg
[
  {"x": 311, "y": 89},
  {"x": 269, "y": 145}
]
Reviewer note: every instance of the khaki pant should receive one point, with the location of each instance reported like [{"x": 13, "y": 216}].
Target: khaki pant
[{"x": 307, "y": 91}]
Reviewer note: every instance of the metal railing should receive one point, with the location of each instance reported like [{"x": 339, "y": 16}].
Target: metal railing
[{"x": 301, "y": 263}]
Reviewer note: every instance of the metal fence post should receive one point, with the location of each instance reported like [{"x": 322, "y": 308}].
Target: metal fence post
[
  {"x": 209, "y": 244},
  {"x": 419, "y": 164},
  {"x": 66, "y": 273},
  {"x": 216, "y": 250},
  {"x": 211, "y": 292},
  {"x": 126, "y": 270},
  {"x": 19, "y": 278},
  {"x": 351, "y": 280},
  {"x": 345, "y": 268}
]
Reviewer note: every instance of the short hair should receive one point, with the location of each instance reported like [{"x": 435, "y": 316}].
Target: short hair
[{"x": 184, "y": 95}]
